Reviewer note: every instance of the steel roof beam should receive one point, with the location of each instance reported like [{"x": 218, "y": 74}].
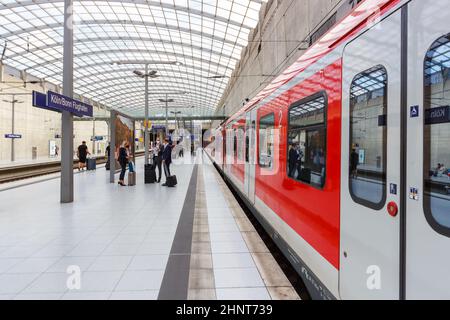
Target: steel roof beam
[
  {"x": 153, "y": 83},
  {"x": 95, "y": 53},
  {"x": 198, "y": 79},
  {"x": 160, "y": 68},
  {"x": 139, "y": 39},
  {"x": 162, "y": 5},
  {"x": 122, "y": 23},
  {"x": 136, "y": 92}
]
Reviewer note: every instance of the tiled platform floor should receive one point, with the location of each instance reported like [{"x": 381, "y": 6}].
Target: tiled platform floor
[{"x": 121, "y": 240}]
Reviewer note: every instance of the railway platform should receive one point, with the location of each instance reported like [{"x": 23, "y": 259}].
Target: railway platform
[{"x": 143, "y": 242}]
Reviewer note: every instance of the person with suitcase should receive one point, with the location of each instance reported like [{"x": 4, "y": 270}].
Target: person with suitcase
[
  {"x": 82, "y": 154},
  {"x": 157, "y": 160},
  {"x": 131, "y": 171},
  {"x": 123, "y": 161},
  {"x": 166, "y": 162}
]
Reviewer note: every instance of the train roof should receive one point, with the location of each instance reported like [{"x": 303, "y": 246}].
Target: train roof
[{"x": 361, "y": 16}]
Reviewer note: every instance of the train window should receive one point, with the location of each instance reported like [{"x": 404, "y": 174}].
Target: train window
[
  {"x": 266, "y": 150},
  {"x": 437, "y": 135},
  {"x": 368, "y": 130},
  {"x": 307, "y": 140}
]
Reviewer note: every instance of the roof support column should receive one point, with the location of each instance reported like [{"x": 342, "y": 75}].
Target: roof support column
[
  {"x": 112, "y": 146},
  {"x": 146, "y": 133},
  {"x": 167, "y": 116},
  {"x": 67, "y": 118}
]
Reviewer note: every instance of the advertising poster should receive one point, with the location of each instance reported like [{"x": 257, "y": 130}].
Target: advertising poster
[{"x": 124, "y": 133}]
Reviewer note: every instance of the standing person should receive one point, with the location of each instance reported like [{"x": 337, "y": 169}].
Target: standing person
[
  {"x": 354, "y": 161},
  {"x": 157, "y": 159},
  {"x": 293, "y": 158},
  {"x": 82, "y": 154},
  {"x": 167, "y": 159},
  {"x": 107, "y": 152},
  {"x": 108, "y": 156},
  {"x": 56, "y": 151},
  {"x": 123, "y": 161},
  {"x": 298, "y": 164}
]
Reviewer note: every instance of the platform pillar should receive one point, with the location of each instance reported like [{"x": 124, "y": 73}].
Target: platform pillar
[{"x": 67, "y": 117}]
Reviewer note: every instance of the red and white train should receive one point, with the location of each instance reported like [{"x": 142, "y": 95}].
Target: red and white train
[{"x": 343, "y": 156}]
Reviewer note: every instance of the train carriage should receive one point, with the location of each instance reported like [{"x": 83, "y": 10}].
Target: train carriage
[{"x": 363, "y": 212}]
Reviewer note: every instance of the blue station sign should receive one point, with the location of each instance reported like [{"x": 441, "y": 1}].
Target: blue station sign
[
  {"x": 62, "y": 103},
  {"x": 56, "y": 102},
  {"x": 97, "y": 138},
  {"x": 13, "y": 136}
]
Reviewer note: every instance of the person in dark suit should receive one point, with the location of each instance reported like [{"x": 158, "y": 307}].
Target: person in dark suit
[
  {"x": 167, "y": 159},
  {"x": 354, "y": 161},
  {"x": 293, "y": 160}
]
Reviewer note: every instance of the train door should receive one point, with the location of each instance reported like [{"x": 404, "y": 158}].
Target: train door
[
  {"x": 370, "y": 240},
  {"x": 428, "y": 151},
  {"x": 250, "y": 155}
]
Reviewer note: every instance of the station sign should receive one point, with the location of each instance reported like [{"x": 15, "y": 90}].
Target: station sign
[
  {"x": 97, "y": 138},
  {"x": 62, "y": 103},
  {"x": 56, "y": 102},
  {"x": 13, "y": 136}
]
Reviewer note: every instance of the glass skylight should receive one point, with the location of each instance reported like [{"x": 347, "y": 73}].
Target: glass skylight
[{"x": 205, "y": 36}]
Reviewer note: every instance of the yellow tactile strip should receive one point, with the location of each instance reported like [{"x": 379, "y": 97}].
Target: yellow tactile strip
[{"x": 274, "y": 278}]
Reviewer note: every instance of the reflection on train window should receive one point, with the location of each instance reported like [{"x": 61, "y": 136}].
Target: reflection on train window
[
  {"x": 247, "y": 148},
  {"x": 240, "y": 143},
  {"x": 307, "y": 141},
  {"x": 235, "y": 143},
  {"x": 266, "y": 128},
  {"x": 368, "y": 129},
  {"x": 437, "y": 135}
]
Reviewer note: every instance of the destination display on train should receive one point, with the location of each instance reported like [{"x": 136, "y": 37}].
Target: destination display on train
[{"x": 437, "y": 115}]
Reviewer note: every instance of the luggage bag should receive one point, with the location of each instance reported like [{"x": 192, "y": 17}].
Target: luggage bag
[
  {"x": 150, "y": 174},
  {"x": 132, "y": 179},
  {"x": 172, "y": 181},
  {"x": 91, "y": 164}
]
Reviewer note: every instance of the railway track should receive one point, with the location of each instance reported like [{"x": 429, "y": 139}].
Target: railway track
[{"x": 21, "y": 172}]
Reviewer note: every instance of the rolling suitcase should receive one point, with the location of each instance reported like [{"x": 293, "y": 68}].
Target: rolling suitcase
[
  {"x": 91, "y": 164},
  {"x": 150, "y": 174},
  {"x": 132, "y": 179},
  {"x": 172, "y": 181}
]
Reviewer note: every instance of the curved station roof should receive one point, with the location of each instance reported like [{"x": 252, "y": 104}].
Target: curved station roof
[{"x": 191, "y": 48}]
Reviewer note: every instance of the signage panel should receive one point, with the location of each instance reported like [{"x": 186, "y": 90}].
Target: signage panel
[
  {"x": 437, "y": 115},
  {"x": 56, "y": 102},
  {"x": 13, "y": 136},
  {"x": 63, "y": 103}
]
